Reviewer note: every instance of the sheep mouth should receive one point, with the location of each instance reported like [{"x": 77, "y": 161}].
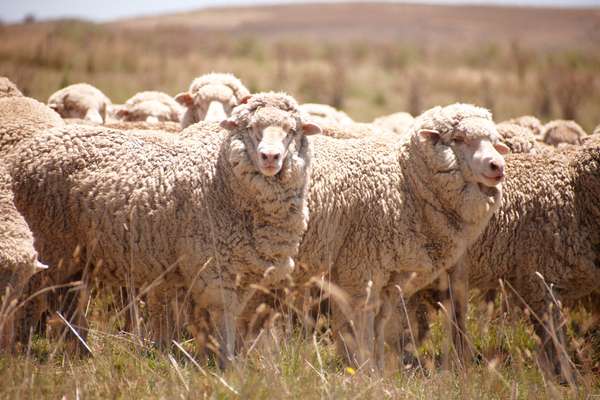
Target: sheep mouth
[{"x": 492, "y": 181}]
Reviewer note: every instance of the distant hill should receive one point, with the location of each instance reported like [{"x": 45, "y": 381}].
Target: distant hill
[{"x": 459, "y": 26}]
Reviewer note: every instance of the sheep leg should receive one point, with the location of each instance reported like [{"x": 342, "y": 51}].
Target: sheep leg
[
  {"x": 553, "y": 355},
  {"x": 223, "y": 316},
  {"x": 455, "y": 286}
]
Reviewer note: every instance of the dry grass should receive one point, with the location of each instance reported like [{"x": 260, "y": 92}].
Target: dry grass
[{"x": 365, "y": 78}]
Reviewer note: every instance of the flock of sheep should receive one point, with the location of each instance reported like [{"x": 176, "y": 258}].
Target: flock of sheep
[{"x": 210, "y": 204}]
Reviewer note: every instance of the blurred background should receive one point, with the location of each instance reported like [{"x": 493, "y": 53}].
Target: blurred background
[{"x": 538, "y": 57}]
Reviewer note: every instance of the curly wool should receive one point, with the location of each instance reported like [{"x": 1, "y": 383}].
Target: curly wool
[
  {"x": 8, "y": 88},
  {"x": 380, "y": 211},
  {"x": 560, "y": 132},
  {"x": 134, "y": 208},
  {"x": 80, "y": 100},
  {"x": 325, "y": 114},
  {"x": 18, "y": 259},
  {"x": 22, "y": 117},
  {"x": 517, "y": 138},
  {"x": 529, "y": 122}
]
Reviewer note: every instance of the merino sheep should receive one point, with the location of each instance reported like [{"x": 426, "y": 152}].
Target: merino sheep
[
  {"x": 398, "y": 122},
  {"x": 549, "y": 223},
  {"x": 596, "y": 130},
  {"x": 211, "y": 97},
  {"x": 325, "y": 114},
  {"x": 8, "y": 88},
  {"x": 151, "y": 107},
  {"x": 354, "y": 130},
  {"x": 18, "y": 259},
  {"x": 163, "y": 126},
  {"x": 380, "y": 212},
  {"x": 518, "y": 138},
  {"x": 530, "y": 122},
  {"x": 80, "y": 100},
  {"x": 22, "y": 117},
  {"x": 197, "y": 215},
  {"x": 560, "y": 132}
]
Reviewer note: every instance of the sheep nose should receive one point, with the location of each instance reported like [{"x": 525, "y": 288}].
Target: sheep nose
[
  {"x": 269, "y": 157},
  {"x": 497, "y": 167}
]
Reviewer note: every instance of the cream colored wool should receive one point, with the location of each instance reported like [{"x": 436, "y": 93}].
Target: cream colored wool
[
  {"x": 223, "y": 88},
  {"x": 530, "y": 122},
  {"x": 80, "y": 100},
  {"x": 517, "y": 138},
  {"x": 325, "y": 114},
  {"x": 560, "y": 132},
  {"x": 549, "y": 222},
  {"x": 136, "y": 208},
  {"x": 379, "y": 212},
  {"x": 150, "y": 106},
  {"x": 18, "y": 260},
  {"x": 22, "y": 117},
  {"x": 353, "y": 130},
  {"x": 398, "y": 123},
  {"x": 8, "y": 88}
]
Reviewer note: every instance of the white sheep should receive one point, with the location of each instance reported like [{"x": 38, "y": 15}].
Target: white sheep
[
  {"x": 530, "y": 122},
  {"x": 198, "y": 216},
  {"x": 22, "y": 117},
  {"x": 80, "y": 100},
  {"x": 562, "y": 132},
  {"x": 380, "y": 212},
  {"x": 149, "y": 106},
  {"x": 398, "y": 122},
  {"x": 518, "y": 138},
  {"x": 211, "y": 97},
  {"x": 543, "y": 242},
  {"x": 325, "y": 114},
  {"x": 8, "y": 88},
  {"x": 18, "y": 260}
]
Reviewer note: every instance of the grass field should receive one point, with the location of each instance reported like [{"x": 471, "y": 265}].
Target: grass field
[{"x": 368, "y": 61}]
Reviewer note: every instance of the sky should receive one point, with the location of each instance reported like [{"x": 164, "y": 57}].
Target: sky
[{"x": 105, "y": 10}]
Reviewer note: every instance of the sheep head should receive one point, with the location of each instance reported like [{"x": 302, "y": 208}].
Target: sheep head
[
  {"x": 269, "y": 124},
  {"x": 212, "y": 97},
  {"x": 462, "y": 137}
]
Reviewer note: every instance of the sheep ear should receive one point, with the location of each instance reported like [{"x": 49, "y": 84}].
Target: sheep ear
[
  {"x": 185, "y": 99},
  {"x": 430, "y": 134},
  {"x": 501, "y": 148},
  {"x": 309, "y": 128},
  {"x": 229, "y": 124},
  {"x": 245, "y": 99}
]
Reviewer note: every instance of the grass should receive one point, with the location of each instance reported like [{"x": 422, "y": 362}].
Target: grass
[
  {"x": 366, "y": 79},
  {"x": 283, "y": 364}
]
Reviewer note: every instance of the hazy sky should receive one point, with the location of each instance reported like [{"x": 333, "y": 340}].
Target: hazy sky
[{"x": 102, "y": 10}]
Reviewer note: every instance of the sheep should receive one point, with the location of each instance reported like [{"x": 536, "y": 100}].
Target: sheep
[
  {"x": 398, "y": 122},
  {"x": 163, "y": 126},
  {"x": 80, "y": 100},
  {"x": 530, "y": 122},
  {"x": 149, "y": 106},
  {"x": 596, "y": 130},
  {"x": 8, "y": 88},
  {"x": 559, "y": 132},
  {"x": 518, "y": 138},
  {"x": 381, "y": 211},
  {"x": 211, "y": 97},
  {"x": 18, "y": 260},
  {"x": 325, "y": 114},
  {"x": 546, "y": 235},
  {"x": 195, "y": 215},
  {"x": 353, "y": 130},
  {"x": 22, "y": 117}
]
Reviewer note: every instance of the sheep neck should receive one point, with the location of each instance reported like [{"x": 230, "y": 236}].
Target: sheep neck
[{"x": 276, "y": 206}]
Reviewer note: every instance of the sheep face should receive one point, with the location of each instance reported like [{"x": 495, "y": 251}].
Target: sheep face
[
  {"x": 474, "y": 145},
  {"x": 209, "y": 103},
  {"x": 269, "y": 135}
]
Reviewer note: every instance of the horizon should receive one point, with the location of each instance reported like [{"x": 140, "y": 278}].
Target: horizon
[{"x": 17, "y": 11}]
